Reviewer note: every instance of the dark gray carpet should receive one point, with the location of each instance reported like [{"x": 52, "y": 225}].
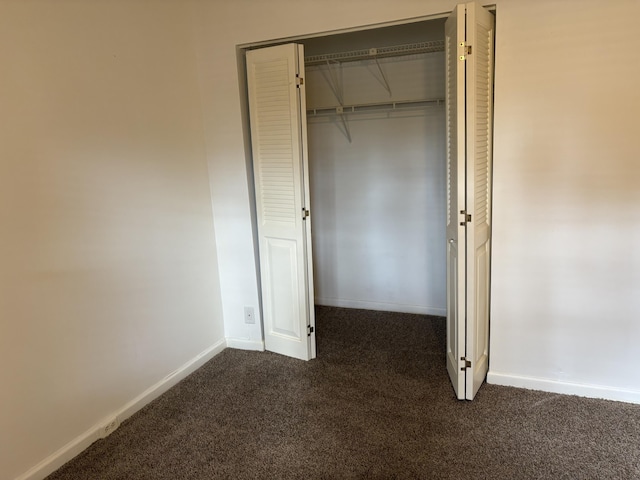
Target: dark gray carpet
[{"x": 375, "y": 404}]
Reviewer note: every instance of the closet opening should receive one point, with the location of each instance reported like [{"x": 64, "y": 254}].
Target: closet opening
[
  {"x": 376, "y": 136},
  {"x": 382, "y": 138}
]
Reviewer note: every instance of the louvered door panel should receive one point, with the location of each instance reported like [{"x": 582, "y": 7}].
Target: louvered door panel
[
  {"x": 279, "y": 160},
  {"x": 469, "y": 140},
  {"x": 275, "y": 141},
  {"x": 479, "y": 90},
  {"x": 482, "y": 142},
  {"x": 455, "y": 105}
]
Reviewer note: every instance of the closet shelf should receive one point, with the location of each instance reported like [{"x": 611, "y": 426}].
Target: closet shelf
[
  {"x": 372, "y": 53},
  {"x": 374, "y": 107}
]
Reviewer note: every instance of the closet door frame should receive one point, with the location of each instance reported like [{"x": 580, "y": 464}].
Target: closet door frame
[{"x": 241, "y": 52}]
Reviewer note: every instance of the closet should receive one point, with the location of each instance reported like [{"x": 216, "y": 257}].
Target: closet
[
  {"x": 384, "y": 141},
  {"x": 377, "y": 159}
]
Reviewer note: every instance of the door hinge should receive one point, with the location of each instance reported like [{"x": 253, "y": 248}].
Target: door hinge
[
  {"x": 305, "y": 213},
  {"x": 467, "y": 363},
  {"x": 309, "y": 330},
  {"x": 466, "y": 217},
  {"x": 467, "y": 51},
  {"x": 299, "y": 80}
]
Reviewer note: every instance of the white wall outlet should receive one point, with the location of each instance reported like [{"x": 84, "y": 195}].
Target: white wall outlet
[{"x": 249, "y": 315}]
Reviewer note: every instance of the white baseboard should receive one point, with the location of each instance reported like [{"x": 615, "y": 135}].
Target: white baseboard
[
  {"x": 243, "y": 344},
  {"x": 113, "y": 421},
  {"x": 567, "y": 388},
  {"x": 382, "y": 306}
]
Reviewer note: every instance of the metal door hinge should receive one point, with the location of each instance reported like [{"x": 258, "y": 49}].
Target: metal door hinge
[
  {"x": 467, "y": 363},
  {"x": 309, "y": 330},
  {"x": 299, "y": 80},
  {"x": 467, "y": 51},
  {"x": 305, "y": 213},
  {"x": 466, "y": 217}
]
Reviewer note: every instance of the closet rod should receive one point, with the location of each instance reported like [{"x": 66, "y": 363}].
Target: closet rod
[
  {"x": 372, "y": 107},
  {"x": 380, "y": 52}
]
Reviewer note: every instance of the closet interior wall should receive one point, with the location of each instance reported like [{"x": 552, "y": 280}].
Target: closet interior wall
[{"x": 378, "y": 183}]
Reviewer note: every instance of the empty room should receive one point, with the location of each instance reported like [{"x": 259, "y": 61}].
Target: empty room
[{"x": 150, "y": 316}]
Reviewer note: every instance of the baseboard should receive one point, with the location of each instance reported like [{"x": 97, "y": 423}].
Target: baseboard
[
  {"x": 567, "y": 388},
  {"x": 172, "y": 379},
  {"x": 113, "y": 421},
  {"x": 242, "y": 344},
  {"x": 382, "y": 306}
]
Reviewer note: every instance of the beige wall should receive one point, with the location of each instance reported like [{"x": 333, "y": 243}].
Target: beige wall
[
  {"x": 107, "y": 253},
  {"x": 566, "y": 269}
]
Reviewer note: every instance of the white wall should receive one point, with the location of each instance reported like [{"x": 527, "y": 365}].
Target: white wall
[
  {"x": 565, "y": 274},
  {"x": 108, "y": 277},
  {"x": 378, "y": 203}
]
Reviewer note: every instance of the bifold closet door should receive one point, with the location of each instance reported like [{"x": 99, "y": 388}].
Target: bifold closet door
[
  {"x": 456, "y": 239},
  {"x": 277, "y": 111},
  {"x": 469, "y": 33}
]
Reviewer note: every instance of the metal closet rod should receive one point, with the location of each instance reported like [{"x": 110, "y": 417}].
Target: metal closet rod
[
  {"x": 371, "y": 107},
  {"x": 381, "y": 52}
]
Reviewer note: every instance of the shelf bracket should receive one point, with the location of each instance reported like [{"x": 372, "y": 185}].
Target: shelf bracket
[
  {"x": 333, "y": 76},
  {"x": 345, "y": 123},
  {"x": 383, "y": 78},
  {"x": 334, "y": 79}
]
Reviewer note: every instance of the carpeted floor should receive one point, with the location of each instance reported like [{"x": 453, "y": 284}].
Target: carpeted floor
[{"x": 375, "y": 404}]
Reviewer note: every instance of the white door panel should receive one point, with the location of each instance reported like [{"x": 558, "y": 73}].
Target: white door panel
[
  {"x": 479, "y": 101},
  {"x": 281, "y": 287},
  {"x": 456, "y": 241},
  {"x": 278, "y": 136},
  {"x": 469, "y": 33}
]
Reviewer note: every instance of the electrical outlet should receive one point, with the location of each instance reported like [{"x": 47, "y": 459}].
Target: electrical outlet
[
  {"x": 110, "y": 427},
  {"x": 249, "y": 315}
]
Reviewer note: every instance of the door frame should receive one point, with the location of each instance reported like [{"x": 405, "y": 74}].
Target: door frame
[{"x": 241, "y": 50}]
